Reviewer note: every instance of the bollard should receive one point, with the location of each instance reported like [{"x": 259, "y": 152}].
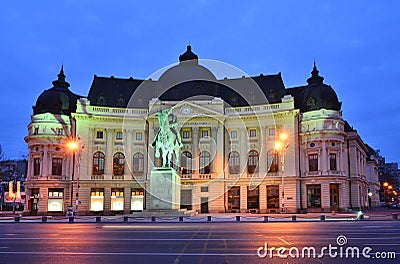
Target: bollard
[
  {"x": 395, "y": 216},
  {"x": 237, "y": 218},
  {"x": 44, "y": 219},
  {"x": 125, "y": 219},
  {"x": 17, "y": 219},
  {"x": 323, "y": 217},
  {"x": 180, "y": 218},
  {"x": 265, "y": 218},
  {"x": 294, "y": 218},
  {"x": 153, "y": 219},
  {"x": 209, "y": 218},
  {"x": 98, "y": 219},
  {"x": 71, "y": 219}
]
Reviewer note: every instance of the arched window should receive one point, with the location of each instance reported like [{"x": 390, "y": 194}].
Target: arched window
[
  {"x": 204, "y": 162},
  {"x": 98, "y": 163},
  {"x": 273, "y": 161},
  {"x": 138, "y": 163},
  {"x": 252, "y": 161},
  {"x": 119, "y": 163},
  {"x": 186, "y": 162},
  {"x": 234, "y": 162}
]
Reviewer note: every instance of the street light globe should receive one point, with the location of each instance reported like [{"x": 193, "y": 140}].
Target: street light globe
[
  {"x": 72, "y": 145},
  {"x": 370, "y": 194},
  {"x": 283, "y": 136},
  {"x": 278, "y": 145},
  {"x": 390, "y": 187},
  {"x": 385, "y": 184}
]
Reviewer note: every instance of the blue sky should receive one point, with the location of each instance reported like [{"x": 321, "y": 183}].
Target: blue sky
[{"x": 355, "y": 44}]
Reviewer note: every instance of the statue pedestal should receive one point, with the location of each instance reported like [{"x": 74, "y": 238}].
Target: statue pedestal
[{"x": 165, "y": 189}]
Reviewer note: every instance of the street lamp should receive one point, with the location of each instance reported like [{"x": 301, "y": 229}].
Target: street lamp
[
  {"x": 73, "y": 146},
  {"x": 281, "y": 146},
  {"x": 369, "y": 198}
]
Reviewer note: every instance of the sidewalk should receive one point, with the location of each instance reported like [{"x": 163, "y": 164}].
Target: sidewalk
[{"x": 382, "y": 214}]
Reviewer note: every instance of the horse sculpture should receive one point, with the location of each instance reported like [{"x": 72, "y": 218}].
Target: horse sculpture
[{"x": 167, "y": 140}]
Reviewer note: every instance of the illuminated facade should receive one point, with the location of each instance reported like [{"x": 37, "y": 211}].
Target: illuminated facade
[{"x": 228, "y": 162}]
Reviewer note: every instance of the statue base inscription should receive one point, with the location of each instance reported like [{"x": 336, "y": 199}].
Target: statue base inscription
[{"x": 165, "y": 189}]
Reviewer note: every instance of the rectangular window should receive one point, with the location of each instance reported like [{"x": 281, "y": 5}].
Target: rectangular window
[
  {"x": 186, "y": 199},
  {"x": 314, "y": 196},
  {"x": 252, "y": 133},
  {"x": 253, "y": 197},
  {"x": 56, "y": 166},
  {"x": 97, "y": 200},
  {"x": 271, "y": 131},
  {"x": 99, "y": 134},
  {"x": 36, "y": 131},
  {"x": 117, "y": 199},
  {"x": 233, "y": 134},
  {"x": 204, "y": 133},
  {"x": 55, "y": 201},
  {"x": 59, "y": 131},
  {"x": 272, "y": 196},
  {"x": 332, "y": 161},
  {"x": 186, "y": 134},
  {"x": 273, "y": 161},
  {"x": 139, "y": 135},
  {"x": 204, "y": 189},
  {"x": 36, "y": 166},
  {"x": 119, "y": 135},
  {"x": 234, "y": 198},
  {"x": 313, "y": 162},
  {"x": 137, "y": 199}
]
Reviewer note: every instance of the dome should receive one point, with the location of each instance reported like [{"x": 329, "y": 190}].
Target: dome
[
  {"x": 318, "y": 95},
  {"x": 188, "y": 69},
  {"x": 58, "y": 99}
]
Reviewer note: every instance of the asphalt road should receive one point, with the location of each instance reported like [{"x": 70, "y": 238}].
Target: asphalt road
[{"x": 201, "y": 242}]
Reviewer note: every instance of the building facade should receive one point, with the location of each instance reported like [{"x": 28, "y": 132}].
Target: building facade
[{"x": 229, "y": 161}]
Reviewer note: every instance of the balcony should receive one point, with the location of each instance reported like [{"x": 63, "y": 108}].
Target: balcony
[{"x": 97, "y": 177}]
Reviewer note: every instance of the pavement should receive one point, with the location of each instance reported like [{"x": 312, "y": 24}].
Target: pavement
[{"x": 377, "y": 214}]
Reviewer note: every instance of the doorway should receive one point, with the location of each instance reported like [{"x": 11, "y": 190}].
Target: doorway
[
  {"x": 204, "y": 205},
  {"x": 334, "y": 196}
]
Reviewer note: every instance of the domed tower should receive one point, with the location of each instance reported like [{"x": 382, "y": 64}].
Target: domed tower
[{"x": 50, "y": 160}]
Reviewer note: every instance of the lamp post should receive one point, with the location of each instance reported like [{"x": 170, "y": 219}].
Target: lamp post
[
  {"x": 72, "y": 146},
  {"x": 369, "y": 198},
  {"x": 281, "y": 146}
]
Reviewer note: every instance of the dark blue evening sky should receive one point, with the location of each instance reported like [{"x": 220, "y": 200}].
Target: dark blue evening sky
[{"x": 355, "y": 44}]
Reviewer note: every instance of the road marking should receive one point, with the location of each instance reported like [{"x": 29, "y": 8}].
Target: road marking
[
  {"x": 178, "y": 258},
  {"x": 284, "y": 241}
]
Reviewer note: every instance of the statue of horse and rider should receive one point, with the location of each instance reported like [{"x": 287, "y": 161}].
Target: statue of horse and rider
[{"x": 167, "y": 140}]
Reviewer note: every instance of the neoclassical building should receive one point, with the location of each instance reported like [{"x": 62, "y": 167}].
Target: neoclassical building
[{"x": 229, "y": 128}]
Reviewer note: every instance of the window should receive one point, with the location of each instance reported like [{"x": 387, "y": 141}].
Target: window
[
  {"x": 139, "y": 136},
  {"x": 253, "y": 133},
  {"x": 272, "y": 196},
  {"x": 55, "y": 200},
  {"x": 119, "y": 163},
  {"x": 97, "y": 200},
  {"x": 59, "y": 131},
  {"x": 271, "y": 131},
  {"x": 186, "y": 162},
  {"x": 252, "y": 161},
  {"x": 204, "y": 134},
  {"x": 233, "y": 134},
  {"x": 234, "y": 162},
  {"x": 99, "y": 134},
  {"x": 253, "y": 197},
  {"x": 36, "y": 131},
  {"x": 234, "y": 198},
  {"x": 36, "y": 166},
  {"x": 314, "y": 196},
  {"x": 332, "y": 161},
  {"x": 204, "y": 162},
  {"x": 56, "y": 166},
  {"x": 119, "y": 135},
  {"x": 186, "y": 134},
  {"x": 313, "y": 162},
  {"x": 98, "y": 163},
  {"x": 117, "y": 199},
  {"x": 138, "y": 163},
  {"x": 273, "y": 161},
  {"x": 137, "y": 199},
  {"x": 204, "y": 189}
]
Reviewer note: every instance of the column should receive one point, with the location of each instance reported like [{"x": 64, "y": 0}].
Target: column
[
  {"x": 195, "y": 154},
  {"x": 108, "y": 170},
  {"x": 214, "y": 153},
  {"x": 324, "y": 158},
  {"x": 243, "y": 198},
  {"x": 90, "y": 153},
  {"x": 127, "y": 199},
  {"x": 128, "y": 149},
  {"x": 243, "y": 150},
  {"x": 107, "y": 200},
  {"x": 262, "y": 169},
  {"x": 45, "y": 161},
  {"x": 220, "y": 165}
]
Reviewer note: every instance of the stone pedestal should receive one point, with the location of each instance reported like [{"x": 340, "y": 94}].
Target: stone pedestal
[{"x": 165, "y": 189}]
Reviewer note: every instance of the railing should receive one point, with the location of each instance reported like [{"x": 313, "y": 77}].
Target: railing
[
  {"x": 97, "y": 177},
  {"x": 118, "y": 177}
]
